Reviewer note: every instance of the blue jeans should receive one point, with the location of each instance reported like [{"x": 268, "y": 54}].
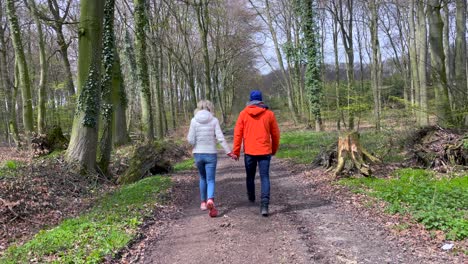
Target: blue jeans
[
  {"x": 264, "y": 169},
  {"x": 206, "y": 164}
]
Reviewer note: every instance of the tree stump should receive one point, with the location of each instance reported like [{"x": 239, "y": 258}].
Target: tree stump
[{"x": 350, "y": 149}]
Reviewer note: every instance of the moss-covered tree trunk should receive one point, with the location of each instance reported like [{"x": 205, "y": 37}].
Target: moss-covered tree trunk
[
  {"x": 439, "y": 75},
  {"x": 8, "y": 87},
  {"x": 461, "y": 60},
  {"x": 24, "y": 80},
  {"x": 41, "y": 113},
  {"x": 119, "y": 102},
  {"x": 133, "y": 86},
  {"x": 84, "y": 135},
  {"x": 141, "y": 23},
  {"x": 107, "y": 108}
]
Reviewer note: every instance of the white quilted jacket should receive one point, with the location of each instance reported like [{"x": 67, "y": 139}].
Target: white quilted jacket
[{"x": 203, "y": 133}]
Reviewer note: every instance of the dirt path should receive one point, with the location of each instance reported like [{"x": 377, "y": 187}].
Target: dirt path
[{"x": 302, "y": 227}]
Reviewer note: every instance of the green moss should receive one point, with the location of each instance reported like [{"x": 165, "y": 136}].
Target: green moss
[{"x": 106, "y": 229}]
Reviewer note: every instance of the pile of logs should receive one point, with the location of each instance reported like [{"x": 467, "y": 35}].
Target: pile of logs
[
  {"x": 439, "y": 149},
  {"x": 43, "y": 144}
]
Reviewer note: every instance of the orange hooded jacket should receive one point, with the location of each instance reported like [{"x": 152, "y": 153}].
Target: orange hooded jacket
[{"x": 257, "y": 128}]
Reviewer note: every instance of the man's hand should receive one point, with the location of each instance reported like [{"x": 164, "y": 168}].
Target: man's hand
[{"x": 233, "y": 156}]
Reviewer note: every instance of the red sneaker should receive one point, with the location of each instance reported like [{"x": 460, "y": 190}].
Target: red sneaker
[
  {"x": 210, "y": 204},
  {"x": 211, "y": 207},
  {"x": 213, "y": 212}
]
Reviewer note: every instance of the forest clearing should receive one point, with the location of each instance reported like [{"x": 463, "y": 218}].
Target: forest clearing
[{"x": 364, "y": 106}]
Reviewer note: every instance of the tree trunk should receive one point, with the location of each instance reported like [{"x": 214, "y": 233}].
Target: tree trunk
[
  {"x": 141, "y": 23},
  {"x": 8, "y": 87},
  {"x": 337, "y": 74},
  {"x": 84, "y": 135},
  {"x": 172, "y": 87},
  {"x": 24, "y": 80},
  {"x": 66, "y": 62},
  {"x": 41, "y": 113},
  {"x": 119, "y": 103},
  {"x": 203, "y": 24},
  {"x": 422, "y": 62},
  {"x": 312, "y": 76},
  {"x": 58, "y": 21},
  {"x": 107, "y": 107},
  {"x": 439, "y": 76},
  {"x": 413, "y": 51},
  {"x": 279, "y": 57},
  {"x": 447, "y": 65},
  {"x": 460, "y": 60},
  {"x": 133, "y": 85},
  {"x": 347, "y": 36},
  {"x": 376, "y": 61}
]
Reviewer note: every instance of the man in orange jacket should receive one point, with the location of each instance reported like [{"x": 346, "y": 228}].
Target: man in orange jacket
[{"x": 257, "y": 128}]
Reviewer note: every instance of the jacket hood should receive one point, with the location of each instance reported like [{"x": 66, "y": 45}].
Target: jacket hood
[
  {"x": 203, "y": 117},
  {"x": 255, "y": 110}
]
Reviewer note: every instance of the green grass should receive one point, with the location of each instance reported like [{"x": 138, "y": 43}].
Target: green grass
[
  {"x": 187, "y": 164},
  {"x": 9, "y": 168},
  {"x": 440, "y": 204},
  {"x": 303, "y": 146},
  {"x": 108, "y": 227}
]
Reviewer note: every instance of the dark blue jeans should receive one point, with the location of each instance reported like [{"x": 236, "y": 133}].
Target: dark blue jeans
[{"x": 263, "y": 162}]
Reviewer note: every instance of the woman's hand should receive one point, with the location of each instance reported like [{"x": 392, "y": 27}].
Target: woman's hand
[{"x": 233, "y": 156}]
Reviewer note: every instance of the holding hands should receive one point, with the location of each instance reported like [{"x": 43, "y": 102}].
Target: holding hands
[{"x": 233, "y": 156}]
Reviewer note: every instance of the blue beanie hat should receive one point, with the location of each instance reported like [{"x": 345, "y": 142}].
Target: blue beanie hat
[{"x": 255, "y": 95}]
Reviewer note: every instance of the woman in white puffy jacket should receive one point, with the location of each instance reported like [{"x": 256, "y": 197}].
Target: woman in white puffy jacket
[{"x": 203, "y": 133}]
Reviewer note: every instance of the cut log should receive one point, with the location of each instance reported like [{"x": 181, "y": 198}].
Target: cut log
[
  {"x": 151, "y": 159},
  {"x": 350, "y": 149}
]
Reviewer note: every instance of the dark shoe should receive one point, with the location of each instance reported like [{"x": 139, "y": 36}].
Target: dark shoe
[
  {"x": 264, "y": 210},
  {"x": 251, "y": 197}
]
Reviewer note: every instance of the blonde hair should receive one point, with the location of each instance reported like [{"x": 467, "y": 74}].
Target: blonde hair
[{"x": 205, "y": 105}]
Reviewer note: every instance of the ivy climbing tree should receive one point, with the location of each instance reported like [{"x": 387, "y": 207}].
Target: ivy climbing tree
[
  {"x": 108, "y": 60},
  {"x": 83, "y": 140},
  {"x": 141, "y": 22},
  {"x": 313, "y": 82}
]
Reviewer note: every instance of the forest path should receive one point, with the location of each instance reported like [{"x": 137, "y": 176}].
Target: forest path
[{"x": 302, "y": 227}]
